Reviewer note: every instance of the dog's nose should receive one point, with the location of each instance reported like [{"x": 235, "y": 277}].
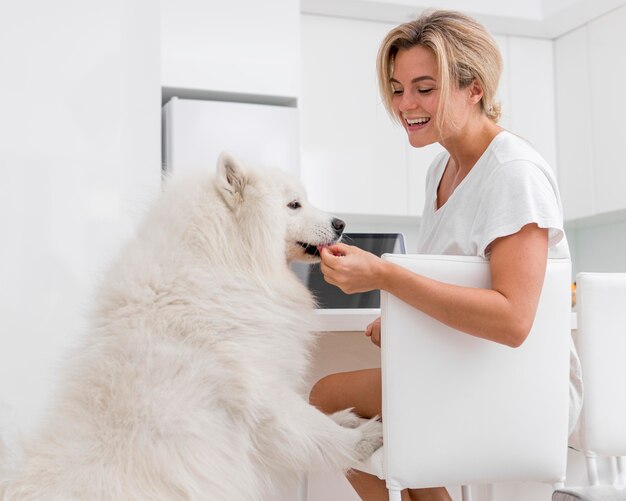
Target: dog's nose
[{"x": 338, "y": 225}]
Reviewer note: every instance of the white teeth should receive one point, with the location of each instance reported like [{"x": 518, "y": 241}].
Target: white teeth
[{"x": 417, "y": 121}]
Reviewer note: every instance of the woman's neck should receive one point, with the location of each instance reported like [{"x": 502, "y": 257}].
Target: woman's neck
[{"x": 467, "y": 145}]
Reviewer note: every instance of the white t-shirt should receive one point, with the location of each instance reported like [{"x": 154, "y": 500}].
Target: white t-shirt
[{"x": 510, "y": 186}]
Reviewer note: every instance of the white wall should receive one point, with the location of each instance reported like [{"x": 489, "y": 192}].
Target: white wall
[
  {"x": 79, "y": 157},
  {"x": 599, "y": 248}
]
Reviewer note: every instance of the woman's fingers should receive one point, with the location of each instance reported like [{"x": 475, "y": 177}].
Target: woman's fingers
[{"x": 373, "y": 331}]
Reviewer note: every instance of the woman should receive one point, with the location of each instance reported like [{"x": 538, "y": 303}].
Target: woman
[{"x": 488, "y": 194}]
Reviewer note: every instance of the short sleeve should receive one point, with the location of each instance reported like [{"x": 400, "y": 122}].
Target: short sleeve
[{"x": 514, "y": 195}]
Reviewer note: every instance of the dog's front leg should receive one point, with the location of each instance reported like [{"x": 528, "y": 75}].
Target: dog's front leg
[{"x": 300, "y": 437}]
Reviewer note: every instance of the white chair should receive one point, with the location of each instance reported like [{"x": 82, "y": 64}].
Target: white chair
[
  {"x": 460, "y": 410},
  {"x": 601, "y": 336}
]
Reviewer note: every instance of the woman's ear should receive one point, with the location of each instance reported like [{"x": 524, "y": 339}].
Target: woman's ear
[
  {"x": 231, "y": 179},
  {"x": 475, "y": 92}
]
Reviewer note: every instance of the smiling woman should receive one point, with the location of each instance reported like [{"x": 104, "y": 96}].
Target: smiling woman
[{"x": 489, "y": 194}]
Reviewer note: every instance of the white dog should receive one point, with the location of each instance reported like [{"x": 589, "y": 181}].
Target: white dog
[{"x": 190, "y": 384}]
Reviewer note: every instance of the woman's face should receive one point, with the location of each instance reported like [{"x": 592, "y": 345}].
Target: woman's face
[{"x": 416, "y": 95}]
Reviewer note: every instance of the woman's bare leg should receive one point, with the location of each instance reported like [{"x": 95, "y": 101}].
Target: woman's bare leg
[
  {"x": 361, "y": 390},
  {"x": 371, "y": 488}
]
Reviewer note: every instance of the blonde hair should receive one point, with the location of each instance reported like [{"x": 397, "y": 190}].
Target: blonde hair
[{"x": 464, "y": 50}]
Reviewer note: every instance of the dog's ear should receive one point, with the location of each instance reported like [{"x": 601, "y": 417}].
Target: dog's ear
[{"x": 231, "y": 179}]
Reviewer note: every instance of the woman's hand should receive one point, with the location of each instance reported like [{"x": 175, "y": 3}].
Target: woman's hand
[
  {"x": 373, "y": 332},
  {"x": 351, "y": 269}
]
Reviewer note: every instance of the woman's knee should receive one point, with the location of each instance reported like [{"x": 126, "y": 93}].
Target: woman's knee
[
  {"x": 359, "y": 390},
  {"x": 321, "y": 394}
]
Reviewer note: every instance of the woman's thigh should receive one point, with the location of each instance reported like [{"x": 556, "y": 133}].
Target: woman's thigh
[{"x": 360, "y": 390}]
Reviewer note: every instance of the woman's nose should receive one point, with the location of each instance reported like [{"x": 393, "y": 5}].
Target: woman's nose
[{"x": 407, "y": 102}]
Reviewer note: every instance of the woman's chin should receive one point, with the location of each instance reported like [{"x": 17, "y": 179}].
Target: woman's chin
[{"x": 419, "y": 141}]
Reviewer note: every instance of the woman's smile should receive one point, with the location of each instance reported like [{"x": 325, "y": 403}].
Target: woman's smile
[{"x": 416, "y": 123}]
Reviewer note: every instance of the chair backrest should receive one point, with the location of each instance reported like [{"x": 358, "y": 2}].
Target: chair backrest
[
  {"x": 601, "y": 341},
  {"x": 460, "y": 410}
]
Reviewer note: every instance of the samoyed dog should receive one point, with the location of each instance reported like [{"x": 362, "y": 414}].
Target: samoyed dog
[{"x": 190, "y": 385}]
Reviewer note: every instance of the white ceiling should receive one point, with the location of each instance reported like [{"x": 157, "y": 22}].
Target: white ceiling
[{"x": 534, "y": 18}]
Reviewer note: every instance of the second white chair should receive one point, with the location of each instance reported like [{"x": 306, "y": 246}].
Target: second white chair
[{"x": 601, "y": 305}]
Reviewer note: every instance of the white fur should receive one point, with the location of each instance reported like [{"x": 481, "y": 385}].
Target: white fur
[{"x": 190, "y": 384}]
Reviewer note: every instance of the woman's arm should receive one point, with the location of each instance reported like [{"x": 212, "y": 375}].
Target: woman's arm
[{"x": 503, "y": 314}]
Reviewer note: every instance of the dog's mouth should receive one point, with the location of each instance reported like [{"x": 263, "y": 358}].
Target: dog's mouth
[{"x": 312, "y": 249}]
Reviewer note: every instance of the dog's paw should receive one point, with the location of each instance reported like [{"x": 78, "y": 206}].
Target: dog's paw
[
  {"x": 347, "y": 419},
  {"x": 371, "y": 438}
]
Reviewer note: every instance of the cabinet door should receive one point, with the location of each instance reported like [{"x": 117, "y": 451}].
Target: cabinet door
[
  {"x": 419, "y": 159},
  {"x": 573, "y": 103},
  {"x": 354, "y": 158},
  {"x": 531, "y": 90},
  {"x": 239, "y": 46},
  {"x": 607, "y": 71},
  {"x": 504, "y": 95}
]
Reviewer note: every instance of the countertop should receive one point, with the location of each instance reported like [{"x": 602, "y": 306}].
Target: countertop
[{"x": 341, "y": 320}]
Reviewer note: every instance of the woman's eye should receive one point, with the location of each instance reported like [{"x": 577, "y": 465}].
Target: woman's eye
[
  {"x": 294, "y": 205},
  {"x": 425, "y": 91},
  {"x": 396, "y": 92}
]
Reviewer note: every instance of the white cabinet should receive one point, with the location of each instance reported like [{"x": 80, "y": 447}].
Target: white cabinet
[
  {"x": 526, "y": 92},
  {"x": 591, "y": 105},
  {"x": 530, "y": 75},
  {"x": 234, "y": 47},
  {"x": 573, "y": 106},
  {"x": 419, "y": 160},
  {"x": 607, "y": 73},
  {"x": 353, "y": 156},
  {"x": 503, "y": 95}
]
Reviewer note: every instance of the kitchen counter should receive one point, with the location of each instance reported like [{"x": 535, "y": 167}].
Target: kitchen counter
[{"x": 345, "y": 320}]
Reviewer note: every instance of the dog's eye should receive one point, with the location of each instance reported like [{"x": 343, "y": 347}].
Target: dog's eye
[{"x": 294, "y": 205}]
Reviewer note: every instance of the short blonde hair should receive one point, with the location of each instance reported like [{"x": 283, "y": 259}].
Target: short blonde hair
[{"x": 463, "y": 48}]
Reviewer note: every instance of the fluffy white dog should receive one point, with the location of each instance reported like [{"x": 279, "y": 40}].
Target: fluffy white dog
[{"x": 190, "y": 384}]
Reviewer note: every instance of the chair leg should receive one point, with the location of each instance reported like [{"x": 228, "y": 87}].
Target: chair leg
[
  {"x": 466, "y": 493},
  {"x": 303, "y": 487},
  {"x": 620, "y": 480},
  {"x": 395, "y": 495},
  {"x": 613, "y": 463},
  {"x": 592, "y": 470}
]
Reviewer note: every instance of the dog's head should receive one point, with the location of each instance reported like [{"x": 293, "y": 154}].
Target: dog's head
[{"x": 276, "y": 203}]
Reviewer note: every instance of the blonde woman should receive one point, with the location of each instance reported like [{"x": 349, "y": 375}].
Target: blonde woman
[{"x": 488, "y": 194}]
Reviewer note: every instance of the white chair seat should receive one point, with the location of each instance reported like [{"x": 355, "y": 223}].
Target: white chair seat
[
  {"x": 374, "y": 464},
  {"x": 595, "y": 493}
]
